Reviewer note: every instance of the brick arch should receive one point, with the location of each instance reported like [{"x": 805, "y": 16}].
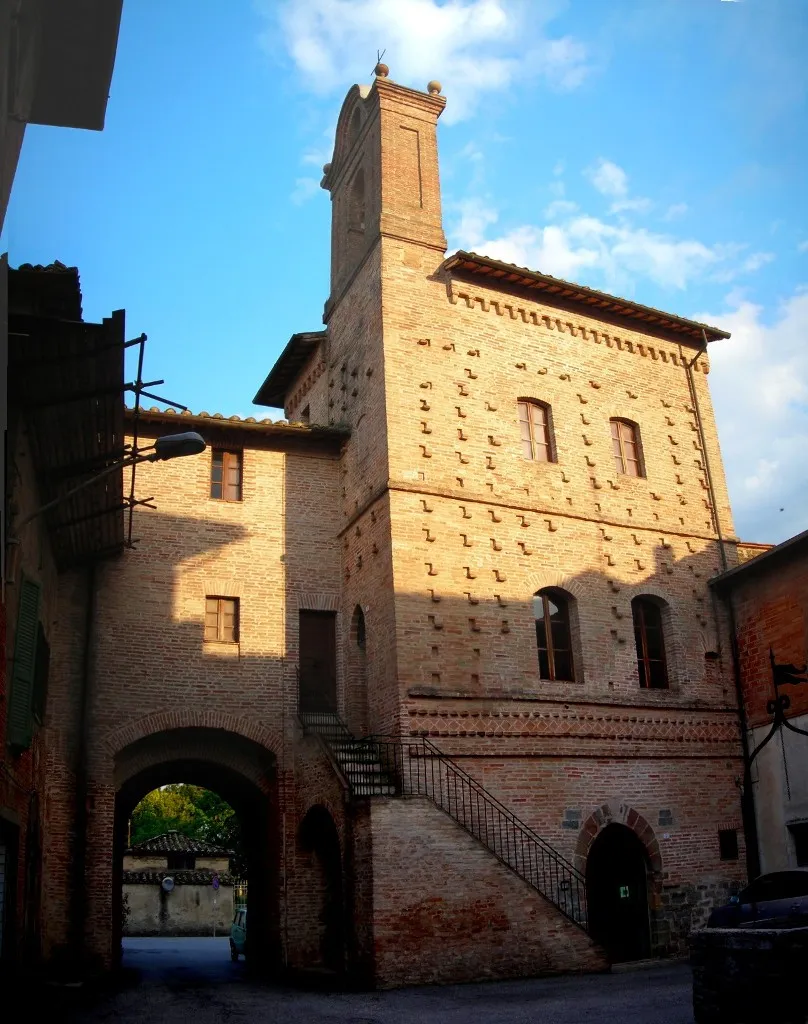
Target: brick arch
[
  {"x": 188, "y": 718},
  {"x": 648, "y": 590},
  {"x": 318, "y": 602},
  {"x": 221, "y": 587},
  {"x": 535, "y": 581},
  {"x": 618, "y": 812},
  {"x": 325, "y": 805}
]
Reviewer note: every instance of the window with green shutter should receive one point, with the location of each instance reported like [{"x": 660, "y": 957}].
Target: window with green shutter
[{"x": 23, "y": 674}]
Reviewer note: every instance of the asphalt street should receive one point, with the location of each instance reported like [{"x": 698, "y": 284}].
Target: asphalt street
[{"x": 193, "y": 981}]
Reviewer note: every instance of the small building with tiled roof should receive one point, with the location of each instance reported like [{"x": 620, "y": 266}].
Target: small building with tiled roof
[{"x": 175, "y": 884}]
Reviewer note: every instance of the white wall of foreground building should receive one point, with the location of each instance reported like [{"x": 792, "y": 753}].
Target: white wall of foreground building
[{"x": 781, "y": 766}]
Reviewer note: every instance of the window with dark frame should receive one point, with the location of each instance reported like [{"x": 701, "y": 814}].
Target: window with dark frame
[
  {"x": 650, "y": 641},
  {"x": 626, "y": 448},
  {"x": 728, "y": 843},
  {"x": 221, "y": 619},
  {"x": 553, "y": 638},
  {"x": 181, "y": 862},
  {"x": 361, "y": 636},
  {"x": 41, "y": 671},
  {"x": 799, "y": 833},
  {"x": 535, "y": 428},
  {"x": 225, "y": 475}
]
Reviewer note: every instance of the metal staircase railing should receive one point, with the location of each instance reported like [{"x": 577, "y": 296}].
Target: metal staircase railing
[{"x": 413, "y": 766}]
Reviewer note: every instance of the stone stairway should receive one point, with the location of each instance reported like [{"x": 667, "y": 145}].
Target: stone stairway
[
  {"x": 413, "y": 766},
  {"x": 359, "y": 761}
]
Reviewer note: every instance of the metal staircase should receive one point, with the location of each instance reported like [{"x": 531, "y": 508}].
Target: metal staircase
[{"x": 413, "y": 766}]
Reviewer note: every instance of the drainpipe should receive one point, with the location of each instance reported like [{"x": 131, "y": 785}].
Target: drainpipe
[
  {"x": 747, "y": 796},
  {"x": 78, "y": 916}
]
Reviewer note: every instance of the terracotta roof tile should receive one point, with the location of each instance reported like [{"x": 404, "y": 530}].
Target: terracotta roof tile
[
  {"x": 500, "y": 272},
  {"x": 176, "y": 842},
  {"x": 179, "y": 877}
]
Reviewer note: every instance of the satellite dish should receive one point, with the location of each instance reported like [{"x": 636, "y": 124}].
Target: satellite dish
[{"x": 167, "y": 884}]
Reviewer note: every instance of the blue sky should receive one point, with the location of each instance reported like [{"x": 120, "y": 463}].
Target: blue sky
[{"x": 653, "y": 148}]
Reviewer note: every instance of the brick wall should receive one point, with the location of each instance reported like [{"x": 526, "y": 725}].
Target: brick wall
[
  {"x": 23, "y": 776},
  {"x": 472, "y": 920},
  {"x": 771, "y": 611}
]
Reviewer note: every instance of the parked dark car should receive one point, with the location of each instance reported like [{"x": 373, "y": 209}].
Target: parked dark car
[
  {"x": 776, "y": 900},
  {"x": 238, "y": 934}
]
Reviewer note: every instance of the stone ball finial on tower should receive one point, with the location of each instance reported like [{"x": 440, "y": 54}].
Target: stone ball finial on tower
[
  {"x": 381, "y": 70},
  {"x": 326, "y": 168},
  {"x": 434, "y": 88}
]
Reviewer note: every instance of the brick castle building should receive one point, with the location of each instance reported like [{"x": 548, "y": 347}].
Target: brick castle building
[{"x": 484, "y": 535}]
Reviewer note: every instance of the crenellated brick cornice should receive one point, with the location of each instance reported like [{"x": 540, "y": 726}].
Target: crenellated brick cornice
[{"x": 567, "y": 323}]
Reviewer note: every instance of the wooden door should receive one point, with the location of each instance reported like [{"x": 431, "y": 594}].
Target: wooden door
[{"x": 318, "y": 661}]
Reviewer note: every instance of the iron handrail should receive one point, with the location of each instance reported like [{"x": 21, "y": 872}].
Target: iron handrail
[{"x": 399, "y": 765}]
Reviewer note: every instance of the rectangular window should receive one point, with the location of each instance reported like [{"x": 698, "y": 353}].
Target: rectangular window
[
  {"x": 799, "y": 833},
  {"x": 728, "y": 843},
  {"x": 225, "y": 475},
  {"x": 221, "y": 619},
  {"x": 41, "y": 670},
  {"x": 181, "y": 862},
  {"x": 535, "y": 431},
  {"x": 626, "y": 448}
]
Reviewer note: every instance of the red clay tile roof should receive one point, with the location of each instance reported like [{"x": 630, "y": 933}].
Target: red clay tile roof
[
  {"x": 179, "y": 877},
  {"x": 176, "y": 842},
  {"x": 499, "y": 273}
]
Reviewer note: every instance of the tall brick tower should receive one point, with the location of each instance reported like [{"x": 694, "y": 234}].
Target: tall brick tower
[{"x": 533, "y": 503}]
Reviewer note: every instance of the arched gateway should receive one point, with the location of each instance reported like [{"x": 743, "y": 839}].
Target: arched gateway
[{"x": 242, "y": 772}]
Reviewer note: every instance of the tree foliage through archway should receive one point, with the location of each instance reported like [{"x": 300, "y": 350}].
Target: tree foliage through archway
[{"x": 195, "y": 812}]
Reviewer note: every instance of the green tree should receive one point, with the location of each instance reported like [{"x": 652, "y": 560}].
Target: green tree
[{"x": 195, "y": 812}]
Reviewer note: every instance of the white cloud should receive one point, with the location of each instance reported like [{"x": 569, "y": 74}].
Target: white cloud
[
  {"x": 759, "y": 385},
  {"x": 619, "y": 254},
  {"x": 675, "y": 210},
  {"x": 559, "y": 208},
  {"x": 473, "y": 219},
  {"x": 803, "y": 246},
  {"x": 638, "y": 205},
  {"x": 472, "y": 46},
  {"x": 608, "y": 178},
  {"x": 304, "y": 189},
  {"x": 754, "y": 261},
  {"x": 611, "y": 180}
]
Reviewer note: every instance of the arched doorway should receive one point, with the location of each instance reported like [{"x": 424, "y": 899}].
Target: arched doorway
[
  {"x": 242, "y": 773},
  {"x": 319, "y": 867},
  {"x": 617, "y": 893}
]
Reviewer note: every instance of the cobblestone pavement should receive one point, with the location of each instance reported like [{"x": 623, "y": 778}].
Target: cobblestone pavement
[{"x": 192, "y": 981}]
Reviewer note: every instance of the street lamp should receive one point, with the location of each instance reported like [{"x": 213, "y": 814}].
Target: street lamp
[{"x": 170, "y": 446}]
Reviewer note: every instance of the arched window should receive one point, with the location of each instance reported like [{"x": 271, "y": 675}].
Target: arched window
[
  {"x": 356, "y": 203},
  {"x": 650, "y": 640},
  {"x": 359, "y": 628},
  {"x": 536, "y": 428},
  {"x": 551, "y": 609},
  {"x": 626, "y": 447},
  {"x": 356, "y": 124}
]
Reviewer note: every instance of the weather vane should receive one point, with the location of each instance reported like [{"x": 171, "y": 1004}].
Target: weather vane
[{"x": 379, "y": 58}]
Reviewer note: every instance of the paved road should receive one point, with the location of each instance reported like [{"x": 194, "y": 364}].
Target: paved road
[{"x": 192, "y": 981}]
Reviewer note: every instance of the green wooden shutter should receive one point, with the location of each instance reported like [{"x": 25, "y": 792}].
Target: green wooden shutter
[{"x": 20, "y": 703}]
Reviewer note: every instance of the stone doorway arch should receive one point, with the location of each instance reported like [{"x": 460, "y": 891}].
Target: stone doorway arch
[{"x": 618, "y": 853}]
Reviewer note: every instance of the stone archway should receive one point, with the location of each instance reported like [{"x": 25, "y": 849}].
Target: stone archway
[
  {"x": 618, "y": 853},
  {"x": 242, "y": 772}
]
